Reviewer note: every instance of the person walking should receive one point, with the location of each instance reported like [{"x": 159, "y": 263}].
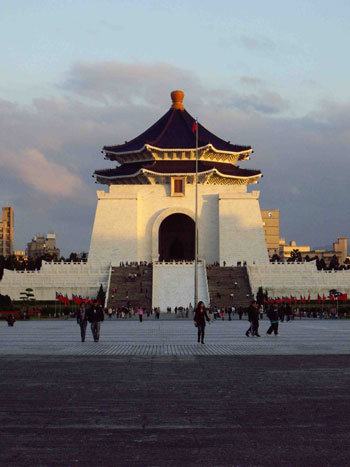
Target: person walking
[
  {"x": 272, "y": 314},
  {"x": 140, "y": 313},
  {"x": 82, "y": 320},
  {"x": 253, "y": 317},
  {"x": 95, "y": 317},
  {"x": 200, "y": 316},
  {"x": 240, "y": 312},
  {"x": 10, "y": 320},
  {"x": 229, "y": 312},
  {"x": 288, "y": 312},
  {"x": 261, "y": 311}
]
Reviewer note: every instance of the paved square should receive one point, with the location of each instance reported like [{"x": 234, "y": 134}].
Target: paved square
[
  {"x": 149, "y": 395},
  {"x": 175, "y": 337}
]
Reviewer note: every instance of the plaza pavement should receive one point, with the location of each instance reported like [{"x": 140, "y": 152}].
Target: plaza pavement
[
  {"x": 146, "y": 395},
  {"x": 174, "y": 337}
]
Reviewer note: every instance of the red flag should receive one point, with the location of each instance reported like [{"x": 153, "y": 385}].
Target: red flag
[
  {"x": 194, "y": 126},
  {"x": 332, "y": 298},
  {"x": 343, "y": 297},
  {"x": 60, "y": 297},
  {"x": 318, "y": 298},
  {"x": 308, "y": 299},
  {"x": 323, "y": 298}
]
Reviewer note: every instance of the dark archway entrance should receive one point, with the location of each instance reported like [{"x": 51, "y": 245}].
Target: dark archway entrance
[{"x": 176, "y": 238}]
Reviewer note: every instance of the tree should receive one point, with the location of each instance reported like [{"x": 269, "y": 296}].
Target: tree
[
  {"x": 27, "y": 297},
  {"x": 73, "y": 257},
  {"x": 101, "y": 296},
  {"x": 334, "y": 263},
  {"x": 320, "y": 264},
  {"x": 295, "y": 256},
  {"x": 5, "y": 303},
  {"x": 275, "y": 258}
]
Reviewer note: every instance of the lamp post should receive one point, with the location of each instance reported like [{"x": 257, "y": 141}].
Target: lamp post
[{"x": 196, "y": 223}]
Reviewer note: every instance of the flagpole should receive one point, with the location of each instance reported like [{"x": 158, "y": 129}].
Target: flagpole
[{"x": 196, "y": 226}]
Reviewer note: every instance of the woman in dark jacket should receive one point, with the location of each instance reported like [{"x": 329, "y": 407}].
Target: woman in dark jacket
[
  {"x": 253, "y": 317},
  {"x": 200, "y": 316}
]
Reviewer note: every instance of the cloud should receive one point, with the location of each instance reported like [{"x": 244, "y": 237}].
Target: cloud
[
  {"x": 257, "y": 43},
  {"x": 51, "y": 148},
  {"x": 44, "y": 176},
  {"x": 127, "y": 83},
  {"x": 267, "y": 102},
  {"x": 112, "y": 26},
  {"x": 251, "y": 81}
]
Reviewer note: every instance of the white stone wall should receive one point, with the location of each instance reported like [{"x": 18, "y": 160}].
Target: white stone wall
[
  {"x": 115, "y": 232},
  {"x": 173, "y": 284},
  {"x": 297, "y": 279},
  {"x": 66, "y": 278},
  {"x": 126, "y": 228},
  {"x": 128, "y": 217},
  {"x": 241, "y": 236}
]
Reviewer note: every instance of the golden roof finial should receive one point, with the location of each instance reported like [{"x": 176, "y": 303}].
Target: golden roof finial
[{"x": 177, "y": 98}]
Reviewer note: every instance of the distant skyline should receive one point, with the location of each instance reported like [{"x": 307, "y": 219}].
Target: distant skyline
[{"x": 79, "y": 75}]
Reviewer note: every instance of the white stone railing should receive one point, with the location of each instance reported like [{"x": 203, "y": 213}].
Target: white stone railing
[{"x": 177, "y": 263}]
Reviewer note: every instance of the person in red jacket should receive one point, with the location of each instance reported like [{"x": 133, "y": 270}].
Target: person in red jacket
[{"x": 11, "y": 320}]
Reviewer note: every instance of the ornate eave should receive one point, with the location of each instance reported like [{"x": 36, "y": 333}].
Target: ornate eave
[
  {"x": 148, "y": 177},
  {"x": 170, "y": 147},
  {"x": 206, "y": 153}
]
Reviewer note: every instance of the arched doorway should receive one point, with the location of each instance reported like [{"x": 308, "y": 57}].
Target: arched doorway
[{"x": 176, "y": 238}]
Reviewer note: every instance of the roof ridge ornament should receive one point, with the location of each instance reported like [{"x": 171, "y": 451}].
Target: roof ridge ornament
[{"x": 177, "y": 97}]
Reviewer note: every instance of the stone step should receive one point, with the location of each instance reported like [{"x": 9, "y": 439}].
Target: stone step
[
  {"x": 221, "y": 280},
  {"x": 124, "y": 291}
]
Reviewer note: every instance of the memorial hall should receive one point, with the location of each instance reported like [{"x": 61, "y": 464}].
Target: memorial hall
[{"x": 144, "y": 227}]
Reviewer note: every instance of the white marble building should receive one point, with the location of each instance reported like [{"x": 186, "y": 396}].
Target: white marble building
[
  {"x": 147, "y": 214},
  {"x": 128, "y": 220}
]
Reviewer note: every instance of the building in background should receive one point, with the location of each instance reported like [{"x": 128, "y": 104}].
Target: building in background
[
  {"x": 340, "y": 250},
  {"x": 271, "y": 224},
  {"x": 20, "y": 255},
  {"x": 43, "y": 245},
  {"x": 6, "y": 232},
  {"x": 285, "y": 249}
]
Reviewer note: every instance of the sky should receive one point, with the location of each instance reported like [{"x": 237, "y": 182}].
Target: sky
[{"x": 77, "y": 75}]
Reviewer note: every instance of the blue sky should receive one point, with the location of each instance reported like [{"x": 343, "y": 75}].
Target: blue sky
[{"x": 76, "y": 75}]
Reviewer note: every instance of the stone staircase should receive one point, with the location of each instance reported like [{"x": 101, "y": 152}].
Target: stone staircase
[
  {"x": 122, "y": 289},
  {"x": 173, "y": 284},
  {"x": 221, "y": 283}
]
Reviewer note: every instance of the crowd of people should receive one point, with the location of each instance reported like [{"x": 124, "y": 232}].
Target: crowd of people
[
  {"x": 95, "y": 314},
  {"x": 275, "y": 313},
  {"x": 255, "y": 313},
  {"x": 134, "y": 264}
]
